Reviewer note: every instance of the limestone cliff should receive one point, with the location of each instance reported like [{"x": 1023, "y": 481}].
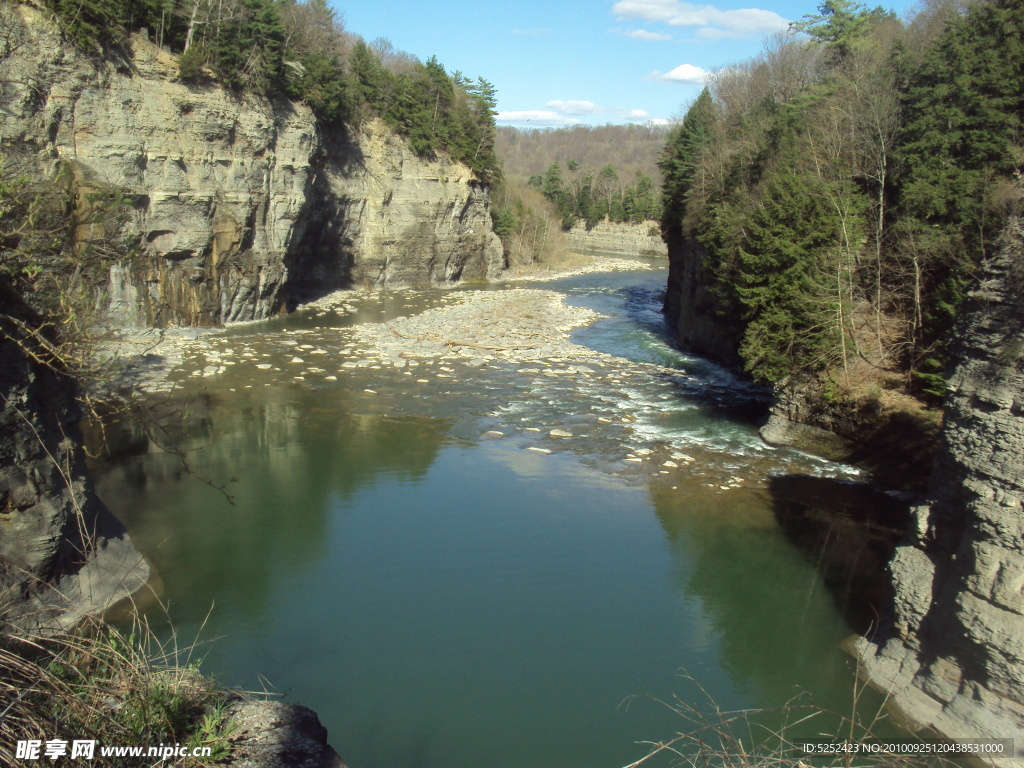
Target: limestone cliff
[
  {"x": 241, "y": 203},
  {"x": 953, "y": 657},
  {"x": 609, "y": 237},
  {"x": 383, "y": 216}
]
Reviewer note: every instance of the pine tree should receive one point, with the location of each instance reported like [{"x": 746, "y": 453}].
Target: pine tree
[
  {"x": 785, "y": 286},
  {"x": 965, "y": 107},
  {"x": 680, "y": 158}
]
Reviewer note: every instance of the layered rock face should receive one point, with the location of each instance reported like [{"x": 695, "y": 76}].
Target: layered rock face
[
  {"x": 62, "y": 554},
  {"x": 382, "y": 216},
  {"x": 953, "y": 658},
  {"x": 237, "y": 199},
  {"x": 608, "y": 237}
]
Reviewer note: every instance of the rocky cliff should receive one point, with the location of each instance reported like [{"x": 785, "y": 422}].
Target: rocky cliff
[
  {"x": 62, "y": 554},
  {"x": 691, "y": 307},
  {"x": 953, "y": 655},
  {"x": 241, "y": 203},
  {"x": 629, "y": 239}
]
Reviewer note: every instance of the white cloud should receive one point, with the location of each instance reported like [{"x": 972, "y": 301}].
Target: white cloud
[
  {"x": 643, "y": 34},
  {"x": 574, "y": 107},
  {"x": 536, "y": 118},
  {"x": 633, "y": 114},
  {"x": 659, "y": 121},
  {"x": 687, "y": 74},
  {"x": 710, "y": 22}
]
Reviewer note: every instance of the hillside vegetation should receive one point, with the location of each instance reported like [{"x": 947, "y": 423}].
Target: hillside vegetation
[
  {"x": 842, "y": 189},
  {"x": 557, "y": 178},
  {"x": 631, "y": 148}
]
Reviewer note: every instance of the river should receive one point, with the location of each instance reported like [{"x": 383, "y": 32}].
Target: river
[{"x": 411, "y": 553}]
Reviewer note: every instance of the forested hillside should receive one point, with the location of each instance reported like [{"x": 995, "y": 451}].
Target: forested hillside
[
  {"x": 838, "y": 193},
  {"x": 631, "y": 149},
  {"x": 554, "y": 179},
  {"x": 302, "y": 50}
]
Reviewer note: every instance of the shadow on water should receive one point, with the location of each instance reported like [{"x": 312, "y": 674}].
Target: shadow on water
[
  {"x": 765, "y": 599},
  {"x": 848, "y": 531}
]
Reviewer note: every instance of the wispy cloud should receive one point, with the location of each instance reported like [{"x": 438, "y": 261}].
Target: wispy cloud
[
  {"x": 659, "y": 121},
  {"x": 536, "y": 32},
  {"x": 686, "y": 74},
  {"x": 536, "y": 118},
  {"x": 710, "y": 23},
  {"x": 574, "y": 107},
  {"x": 643, "y": 34}
]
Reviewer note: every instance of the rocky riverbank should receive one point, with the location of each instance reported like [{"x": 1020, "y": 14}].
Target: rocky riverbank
[{"x": 144, "y": 359}]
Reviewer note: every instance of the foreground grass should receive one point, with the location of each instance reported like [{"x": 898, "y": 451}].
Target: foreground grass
[
  {"x": 709, "y": 737},
  {"x": 118, "y": 689}
]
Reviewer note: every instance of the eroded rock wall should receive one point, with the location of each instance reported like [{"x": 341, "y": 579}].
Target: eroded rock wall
[
  {"x": 627, "y": 239},
  {"x": 239, "y": 201},
  {"x": 953, "y": 657},
  {"x": 385, "y": 217},
  {"x": 62, "y": 554}
]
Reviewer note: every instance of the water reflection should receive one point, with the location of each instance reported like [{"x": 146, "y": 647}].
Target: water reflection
[
  {"x": 283, "y": 459},
  {"x": 848, "y": 531},
  {"x": 759, "y": 598}
]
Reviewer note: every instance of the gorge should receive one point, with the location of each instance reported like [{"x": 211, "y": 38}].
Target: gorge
[{"x": 597, "y": 512}]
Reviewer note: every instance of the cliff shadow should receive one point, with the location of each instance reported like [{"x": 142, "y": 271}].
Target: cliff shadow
[
  {"x": 848, "y": 531},
  {"x": 321, "y": 256}
]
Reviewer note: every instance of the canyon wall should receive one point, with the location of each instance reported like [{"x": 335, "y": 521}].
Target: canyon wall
[
  {"x": 627, "y": 239},
  {"x": 62, "y": 554},
  {"x": 242, "y": 204},
  {"x": 950, "y": 651},
  {"x": 952, "y": 657},
  {"x": 690, "y": 306}
]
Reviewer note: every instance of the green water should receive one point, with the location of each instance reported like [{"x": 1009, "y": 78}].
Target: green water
[{"x": 445, "y": 598}]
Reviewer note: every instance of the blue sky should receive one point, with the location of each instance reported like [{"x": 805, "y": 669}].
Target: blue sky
[{"x": 559, "y": 62}]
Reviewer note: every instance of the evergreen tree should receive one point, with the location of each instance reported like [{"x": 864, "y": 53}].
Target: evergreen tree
[
  {"x": 840, "y": 24},
  {"x": 965, "y": 107},
  {"x": 680, "y": 158},
  {"x": 552, "y": 188},
  {"x": 787, "y": 292}
]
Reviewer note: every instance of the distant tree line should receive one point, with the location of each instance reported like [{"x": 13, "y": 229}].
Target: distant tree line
[
  {"x": 844, "y": 187},
  {"x": 590, "y": 198},
  {"x": 302, "y": 50}
]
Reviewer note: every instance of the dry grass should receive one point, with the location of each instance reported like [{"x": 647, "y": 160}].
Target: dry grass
[
  {"x": 772, "y": 738},
  {"x": 121, "y": 689}
]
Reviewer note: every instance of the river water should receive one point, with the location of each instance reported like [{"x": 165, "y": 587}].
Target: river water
[{"x": 407, "y": 563}]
